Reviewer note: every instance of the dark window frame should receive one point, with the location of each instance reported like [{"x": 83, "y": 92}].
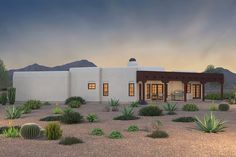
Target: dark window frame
[{"x": 148, "y": 91}]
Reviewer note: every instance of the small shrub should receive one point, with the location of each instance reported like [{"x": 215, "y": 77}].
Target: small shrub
[
  {"x": 97, "y": 132},
  {"x": 24, "y": 109},
  {"x": 11, "y": 132},
  {"x": 115, "y": 135},
  {"x": 74, "y": 104},
  {"x": 47, "y": 103},
  {"x": 150, "y": 110},
  {"x": 224, "y": 107},
  {"x": 13, "y": 112},
  {"x": 133, "y": 128},
  {"x": 213, "y": 107},
  {"x": 53, "y": 131},
  {"x": 92, "y": 117},
  {"x": 30, "y": 131},
  {"x": 70, "y": 141},
  {"x": 171, "y": 108},
  {"x": 3, "y": 98},
  {"x": 184, "y": 119},
  {"x": 33, "y": 104},
  {"x": 210, "y": 124},
  {"x": 217, "y": 96},
  {"x": 190, "y": 107},
  {"x": 158, "y": 134},
  {"x": 127, "y": 114},
  {"x": 71, "y": 117},
  {"x": 134, "y": 104},
  {"x": 3, "y": 128},
  {"x": 57, "y": 110},
  {"x": 51, "y": 118},
  {"x": 11, "y": 95},
  {"x": 114, "y": 104},
  {"x": 80, "y": 99}
]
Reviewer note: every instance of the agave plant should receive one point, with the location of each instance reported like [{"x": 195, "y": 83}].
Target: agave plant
[
  {"x": 210, "y": 124},
  {"x": 127, "y": 111},
  {"x": 114, "y": 104},
  {"x": 13, "y": 112},
  {"x": 170, "y": 108}
]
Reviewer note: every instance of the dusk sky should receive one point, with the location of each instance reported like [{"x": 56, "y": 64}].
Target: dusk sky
[{"x": 174, "y": 34}]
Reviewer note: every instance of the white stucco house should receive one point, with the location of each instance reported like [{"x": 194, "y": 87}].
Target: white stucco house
[{"x": 131, "y": 83}]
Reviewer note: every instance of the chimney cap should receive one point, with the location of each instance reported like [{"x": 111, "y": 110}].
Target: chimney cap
[{"x": 132, "y": 60}]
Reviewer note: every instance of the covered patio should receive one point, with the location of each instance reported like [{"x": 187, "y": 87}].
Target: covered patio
[{"x": 154, "y": 85}]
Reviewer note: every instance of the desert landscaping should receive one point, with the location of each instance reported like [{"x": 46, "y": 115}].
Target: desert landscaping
[{"x": 183, "y": 140}]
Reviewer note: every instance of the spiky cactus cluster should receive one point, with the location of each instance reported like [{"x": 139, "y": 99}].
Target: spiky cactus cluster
[{"x": 30, "y": 131}]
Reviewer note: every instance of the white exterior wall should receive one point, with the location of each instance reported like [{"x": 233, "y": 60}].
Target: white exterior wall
[
  {"x": 79, "y": 79},
  {"x": 45, "y": 86},
  {"x": 118, "y": 80}
]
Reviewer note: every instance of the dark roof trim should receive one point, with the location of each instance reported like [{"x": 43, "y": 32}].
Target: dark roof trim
[{"x": 179, "y": 76}]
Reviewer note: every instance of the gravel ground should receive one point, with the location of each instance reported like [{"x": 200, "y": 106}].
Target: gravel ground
[{"x": 184, "y": 140}]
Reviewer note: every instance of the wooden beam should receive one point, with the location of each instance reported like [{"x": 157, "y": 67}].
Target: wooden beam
[
  {"x": 185, "y": 91},
  {"x": 166, "y": 91}
]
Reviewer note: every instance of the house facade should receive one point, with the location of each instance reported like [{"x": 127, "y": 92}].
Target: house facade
[{"x": 131, "y": 83}]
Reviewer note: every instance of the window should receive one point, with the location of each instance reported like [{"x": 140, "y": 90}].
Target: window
[
  {"x": 189, "y": 88},
  {"x": 148, "y": 91},
  {"x": 105, "y": 89},
  {"x": 131, "y": 89},
  {"x": 91, "y": 86}
]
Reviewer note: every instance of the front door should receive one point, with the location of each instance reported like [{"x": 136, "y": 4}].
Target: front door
[
  {"x": 157, "y": 91},
  {"x": 196, "y": 89}
]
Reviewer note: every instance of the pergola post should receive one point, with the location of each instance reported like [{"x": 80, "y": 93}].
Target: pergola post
[
  {"x": 185, "y": 90},
  {"x": 203, "y": 91},
  {"x": 143, "y": 82},
  {"x": 166, "y": 91}
]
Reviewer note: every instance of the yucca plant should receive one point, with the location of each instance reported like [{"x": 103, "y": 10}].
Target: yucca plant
[
  {"x": 171, "y": 108},
  {"x": 114, "y": 104},
  {"x": 13, "y": 112},
  {"x": 210, "y": 124},
  {"x": 127, "y": 114}
]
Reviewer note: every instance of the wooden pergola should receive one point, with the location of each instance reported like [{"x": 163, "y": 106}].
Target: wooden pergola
[{"x": 185, "y": 77}]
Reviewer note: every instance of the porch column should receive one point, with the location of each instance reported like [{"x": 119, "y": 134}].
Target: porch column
[
  {"x": 143, "y": 90},
  {"x": 222, "y": 91},
  {"x": 185, "y": 90},
  {"x": 166, "y": 91},
  {"x": 203, "y": 91}
]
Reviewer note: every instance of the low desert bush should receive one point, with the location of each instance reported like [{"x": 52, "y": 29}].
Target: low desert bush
[
  {"x": 75, "y": 98},
  {"x": 127, "y": 114},
  {"x": 217, "y": 96},
  {"x": 70, "y": 141},
  {"x": 13, "y": 112},
  {"x": 190, "y": 107},
  {"x": 184, "y": 119},
  {"x": 3, "y": 128},
  {"x": 33, "y": 104},
  {"x": 115, "y": 135},
  {"x": 213, "y": 107},
  {"x": 92, "y": 117},
  {"x": 97, "y": 132},
  {"x": 74, "y": 104},
  {"x": 158, "y": 134},
  {"x": 133, "y": 128},
  {"x": 11, "y": 132},
  {"x": 224, "y": 107},
  {"x": 51, "y": 118},
  {"x": 171, "y": 108},
  {"x": 150, "y": 110},
  {"x": 57, "y": 110},
  {"x": 210, "y": 124},
  {"x": 47, "y": 103},
  {"x": 71, "y": 117},
  {"x": 25, "y": 109},
  {"x": 134, "y": 104},
  {"x": 53, "y": 131}
]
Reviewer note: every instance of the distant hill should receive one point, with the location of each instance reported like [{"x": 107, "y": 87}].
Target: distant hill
[
  {"x": 230, "y": 80},
  {"x": 65, "y": 67}
]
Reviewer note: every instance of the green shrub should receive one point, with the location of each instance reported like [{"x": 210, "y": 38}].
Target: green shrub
[
  {"x": 47, "y": 103},
  {"x": 97, "y": 132},
  {"x": 150, "y": 110},
  {"x": 210, "y": 124},
  {"x": 115, "y": 135},
  {"x": 30, "y": 131},
  {"x": 127, "y": 114},
  {"x": 74, "y": 104},
  {"x": 224, "y": 107},
  {"x": 11, "y": 95},
  {"x": 217, "y": 96},
  {"x": 133, "y": 128},
  {"x": 53, "y": 131},
  {"x": 190, "y": 107},
  {"x": 33, "y": 104},
  {"x": 158, "y": 134},
  {"x": 114, "y": 104},
  {"x": 13, "y": 112},
  {"x": 70, "y": 141},
  {"x": 213, "y": 107},
  {"x": 24, "y": 109},
  {"x": 80, "y": 99},
  {"x": 92, "y": 117},
  {"x": 3, "y": 98},
  {"x": 11, "y": 132},
  {"x": 71, "y": 117},
  {"x": 171, "y": 108},
  {"x": 51, "y": 118},
  {"x": 3, "y": 128},
  {"x": 184, "y": 119},
  {"x": 57, "y": 110},
  {"x": 134, "y": 104}
]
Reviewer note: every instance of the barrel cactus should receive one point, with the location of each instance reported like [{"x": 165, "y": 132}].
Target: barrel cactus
[{"x": 30, "y": 131}]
